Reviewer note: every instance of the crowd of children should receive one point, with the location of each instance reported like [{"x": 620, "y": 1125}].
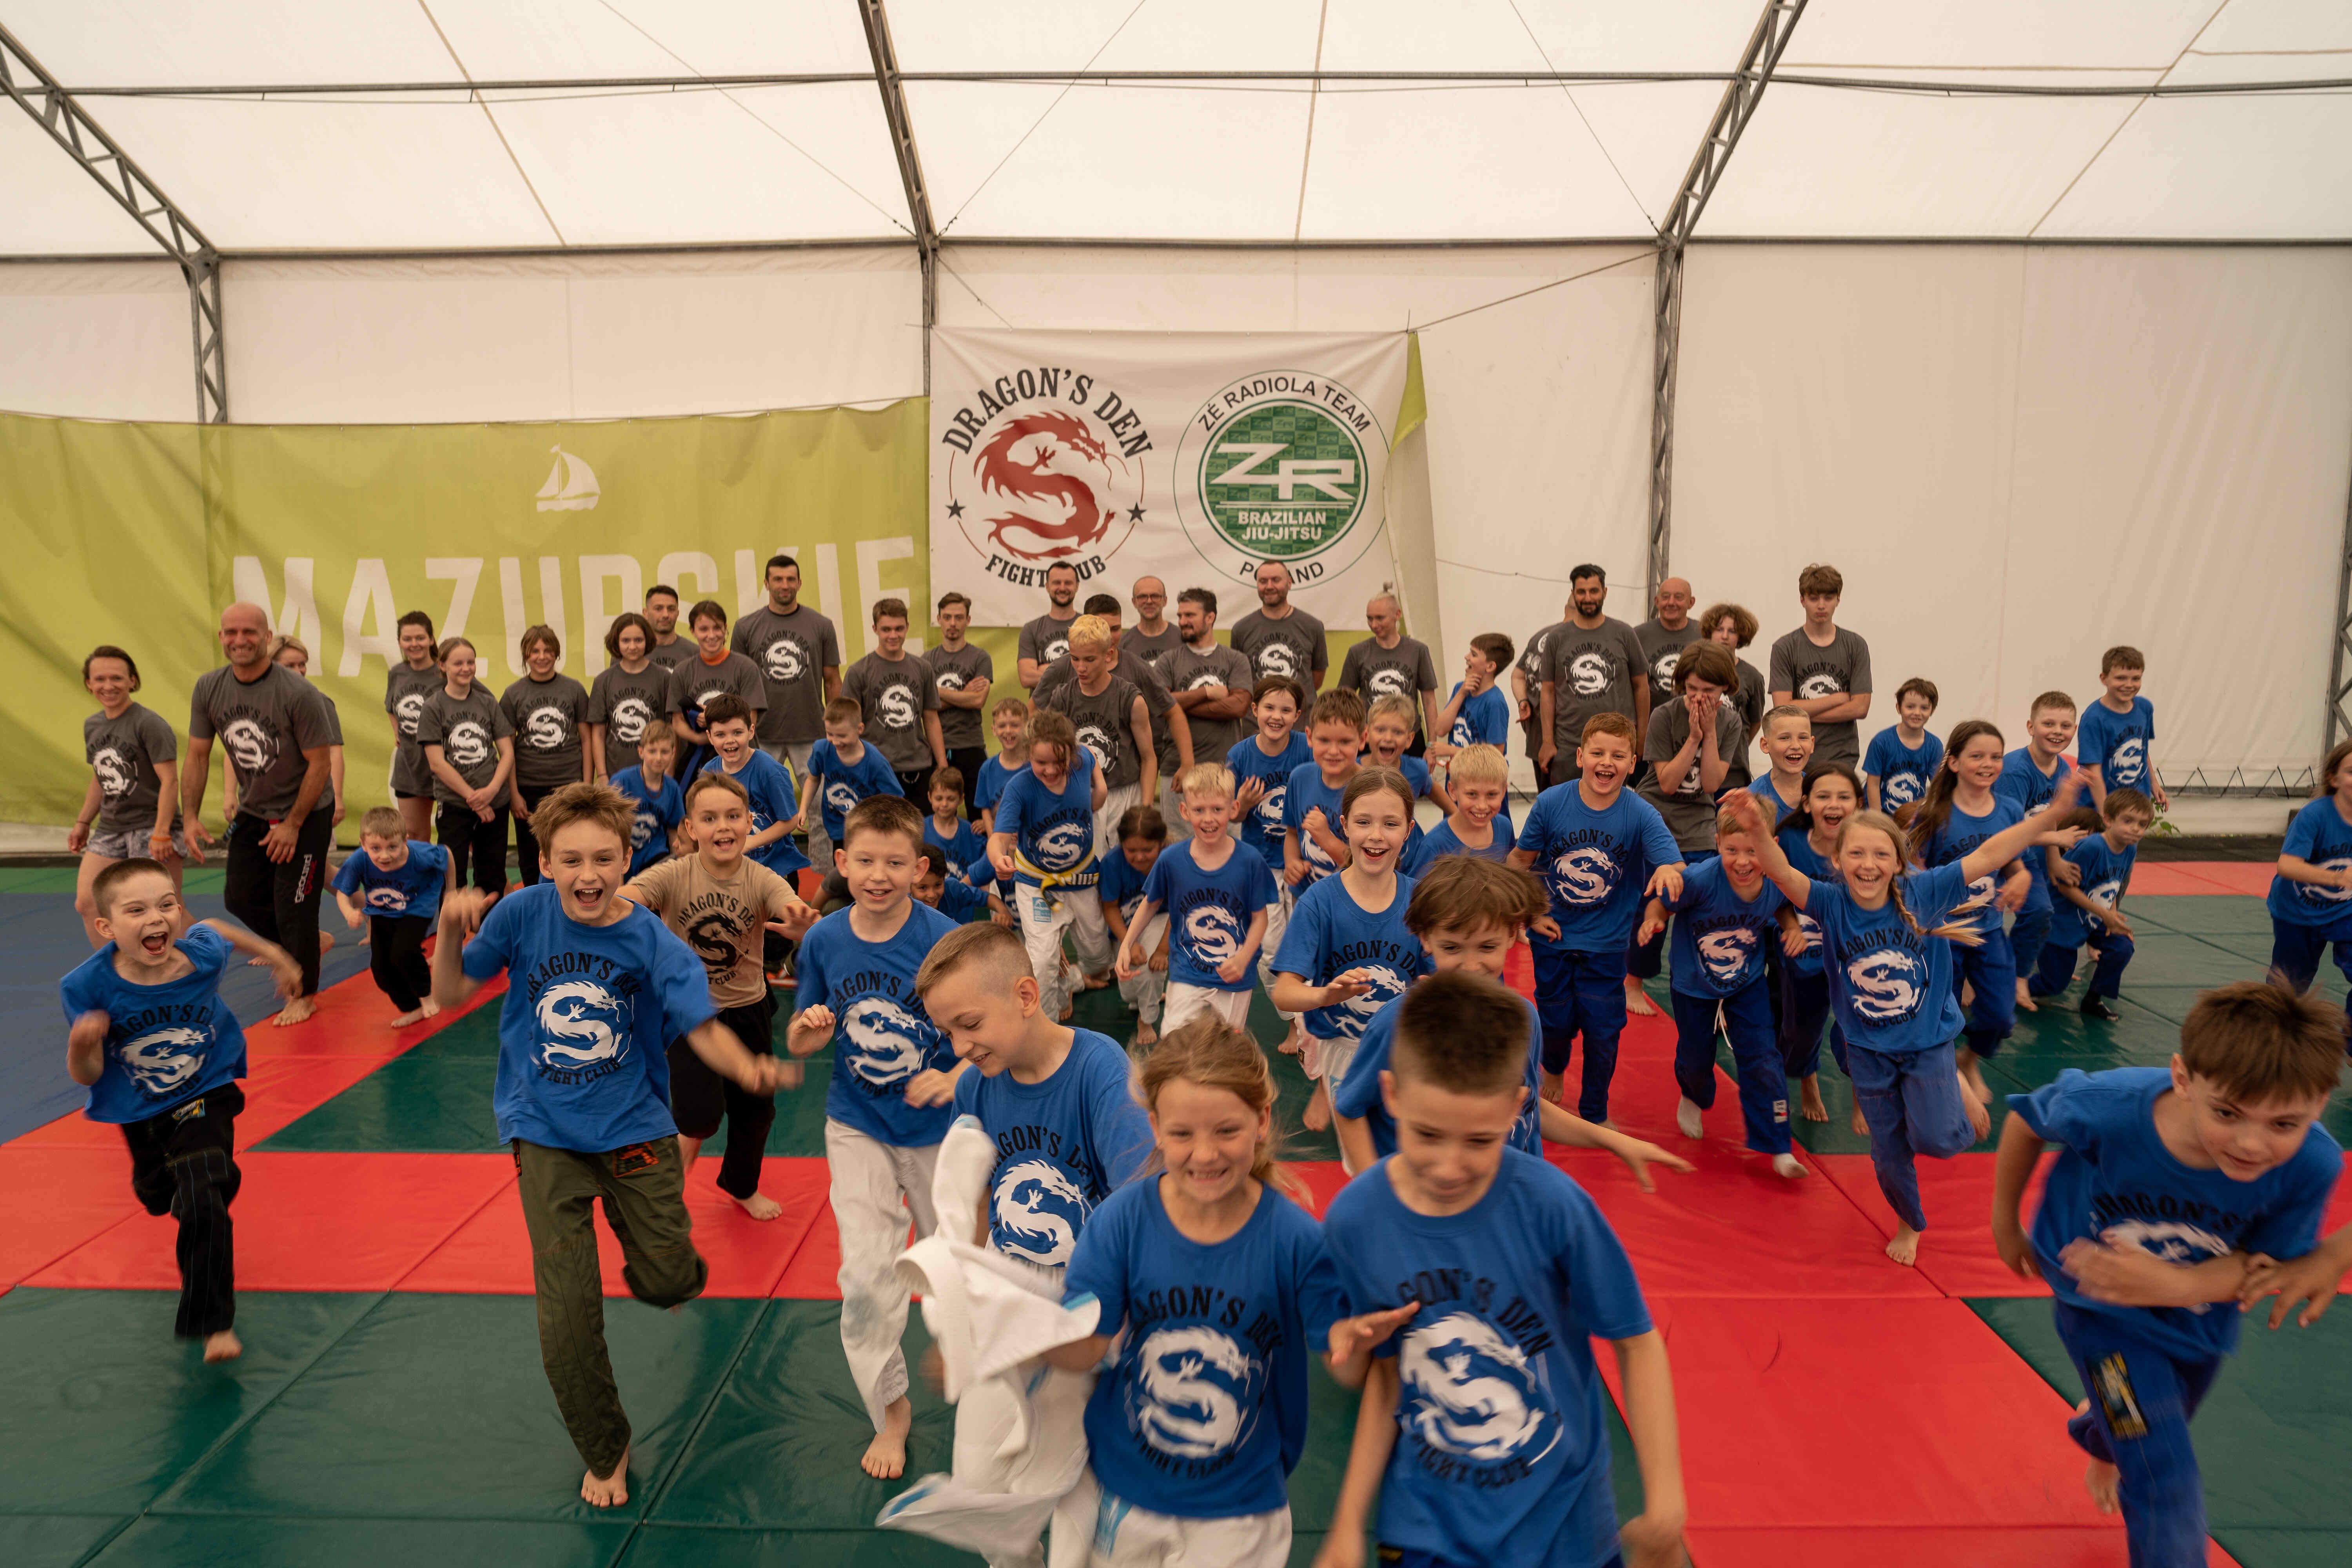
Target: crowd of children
[{"x": 1457, "y": 1279}]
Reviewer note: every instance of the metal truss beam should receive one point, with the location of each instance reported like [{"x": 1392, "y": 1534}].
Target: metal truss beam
[
  {"x": 1741, "y": 97},
  {"x": 36, "y": 92},
  {"x": 2339, "y": 686},
  {"x": 888, "y": 76}
]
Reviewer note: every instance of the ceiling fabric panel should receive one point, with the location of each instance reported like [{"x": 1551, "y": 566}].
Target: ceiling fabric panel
[
  {"x": 50, "y": 206},
  {"x": 2219, "y": 168},
  {"x": 1109, "y": 35},
  {"x": 530, "y": 40},
  {"x": 2003, "y": 36},
  {"x": 230, "y": 43}
]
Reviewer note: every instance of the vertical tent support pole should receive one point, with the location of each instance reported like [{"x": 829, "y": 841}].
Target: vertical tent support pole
[
  {"x": 1741, "y": 96},
  {"x": 888, "y": 77},
  {"x": 2339, "y": 721}
]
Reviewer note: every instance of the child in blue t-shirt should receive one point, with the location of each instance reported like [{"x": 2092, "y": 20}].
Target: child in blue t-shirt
[
  {"x": 1479, "y": 780},
  {"x": 947, "y": 828},
  {"x": 1312, "y": 847},
  {"x": 1262, "y": 765},
  {"x": 2170, "y": 1189},
  {"x": 1347, "y": 952},
  {"x": 1142, "y": 835},
  {"x": 1831, "y": 793},
  {"x": 149, "y": 1036},
  {"x": 2028, "y": 776},
  {"x": 2311, "y": 896},
  {"x": 1476, "y": 713},
  {"x": 885, "y": 1106},
  {"x": 2118, "y": 733},
  {"x": 1598, "y": 847},
  {"x": 775, "y": 815},
  {"x": 936, "y": 885},
  {"x": 1389, "y": 728},
  {"x": 1961, "y": 812},
  {"x": 1887, "y": 935},
  {"x": 1727, "y": 920},
  {"x": 1009, "y": 720},
  {"x": 1498, "y": 1449},
  {"x": 844, "y": 770},
  {"x": 1903, "y": 759},
  {"x": 1208, "y": 899},
  {"x": 660, "y": 804},
  {"x": 1041, "y": 836},
  {"x": 597, "y": 988},
  {"x": 2088, "y": 909},
  {"x": 1194, "y": 1427},
  {"x": 393, "y": 886}
]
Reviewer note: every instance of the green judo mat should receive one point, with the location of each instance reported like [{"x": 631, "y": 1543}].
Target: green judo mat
[{"x": 378, "y": 1429}]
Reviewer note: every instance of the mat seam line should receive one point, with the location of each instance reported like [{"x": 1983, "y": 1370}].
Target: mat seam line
[
  {"x": 661, "y": 1489},
  {"x": 512, "y": 1179}
]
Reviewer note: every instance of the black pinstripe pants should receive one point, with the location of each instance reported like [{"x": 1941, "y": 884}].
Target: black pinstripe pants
[{"x": 183, "y": 1164}]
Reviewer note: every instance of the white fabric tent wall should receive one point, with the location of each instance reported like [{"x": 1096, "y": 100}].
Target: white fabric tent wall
[
  {"x": 97, "y": 340},
  {"x": 2019, "y": 455}
]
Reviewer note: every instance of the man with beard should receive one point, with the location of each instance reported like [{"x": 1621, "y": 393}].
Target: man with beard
[
  {"x": 1592, "y": 664},
  {"x": 799, "y": 656},
  {"x": 1664, "y": 635},
  {"x": 1172, "y": 736},
  {"x": 1210, "y": 685},
  {"x": 1153, "y": 636},
  {"x": 1390, "y": 664},
  {"x": 275, "y": 728},
  {"x": 1047, "y": 637},
  {"x": 668, "y": 650},
  {"x": 1279, "y": 639}
]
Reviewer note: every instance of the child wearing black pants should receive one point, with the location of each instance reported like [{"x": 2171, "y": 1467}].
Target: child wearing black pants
[{"x": 393, "y": 884}]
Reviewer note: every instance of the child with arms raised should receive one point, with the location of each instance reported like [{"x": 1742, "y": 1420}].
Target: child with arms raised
[
  {"x": 597, "y": 990},
  {"x": 1891, "y": 987},
  {"x": 1210, "y": 897},
  {"x": 886, "y": 1109},
  {"x": 1034, "y": 839},
  {"x": 393, "y": 886},
  {"x": 1346, "y": 952},
  {"x": 2169, "y": 1185},
  {"x": 149, "y": 1036},
  {"x": 1508, "y": 1271}
]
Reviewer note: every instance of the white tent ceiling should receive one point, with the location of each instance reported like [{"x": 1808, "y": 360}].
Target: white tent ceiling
[{"x": 1988, "y": 136}]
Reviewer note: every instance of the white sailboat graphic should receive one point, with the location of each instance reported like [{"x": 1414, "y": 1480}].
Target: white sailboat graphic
[{"x": 571, "y": 484}]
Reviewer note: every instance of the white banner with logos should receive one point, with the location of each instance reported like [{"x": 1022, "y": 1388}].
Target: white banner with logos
[{"x": 1188, "y": 457}]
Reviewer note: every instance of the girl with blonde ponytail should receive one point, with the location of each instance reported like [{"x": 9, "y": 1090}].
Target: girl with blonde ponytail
[
  {"x": 1890, "y": 980},
  {"x": 1223, "y": 1289}
]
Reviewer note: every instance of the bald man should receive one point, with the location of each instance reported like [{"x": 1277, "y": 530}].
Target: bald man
[
  {"x": 277, "y": 731},
  {"x": 1664, "y": 635},
  {"x": 1278, "y": 638},
  {"x": 1390, "y": 664},
  {"x": 1151, "y": 635}
]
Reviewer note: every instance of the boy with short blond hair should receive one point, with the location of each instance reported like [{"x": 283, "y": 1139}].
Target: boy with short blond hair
[
  {"x": 394, "y": 885},
  {"x": 1215, "y": 894},
  {"x": 2169, "y": 1184},
  {"x": 1787, "y": 743},
  {"x": 149, "y": 1034},
  {"x": 1478, "y": 782},
  {"x": 843, "y": 770},
  {"x": 598, "y": 988},
  {"x": 1512, "y": 1268},
  {"x": 2118, "y": 731}
]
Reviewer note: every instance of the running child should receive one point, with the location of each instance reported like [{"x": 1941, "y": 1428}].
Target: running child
[
  {"x": 722, "y": 903},
  {"x": 2118, "y": 749},
  {"x": 1142, "y": 839},
  {"x": 844, "y": 770},
  {"x": 1008, "y": 720},
  {"x": 1961, "y": 812},
  {"x": 886, "y": 1108},
  {"x": 392, "y": 887},
  {"x": 1903, "y": 759},
  {"x": 598, "y": 989},
  {"x": 1809, "y": 839},
  {"x": 2028, "y": 775},
  {"x": 1211, "y": 896},
  {"x": 470, "y": 751},
  {"x": 1314, "y": 848},
  {"x": 1262, "y": 764},
  {"x": 1598, "y": 848},
  {"x": 2169, "y": 1185},
  {"x": 2311, "y": 895},
  {"x": 131, "y": 809},
  {"x": 1262, "y": 1301},
  {"x": 1042, "y": 838},
  {"x": 1507, "y": 1271},
  {"x": 1477, "y": 713},
  {"x": 939, "y": 887},
  {"x": 148, "y": 1034},
  {"x": 1468, "y": 914},
  {"x": 767, "y": 788},
  {"x": 1727, "y": 920},
  {"x": 1787, "y": 742},
  {"x": 629, "y": 693},
  {"x": 1478, "y": 779},
  {"x": 407, "y": 685},
  {"x": 1347, "y": 952},
  {"x": 655, "y": 832},
  {"x": 1692, "y": 740},
  {"x": 1891, "y": 987},
  {"x": 962, "y": 848},
  {"x": 2087, "y": 910}
]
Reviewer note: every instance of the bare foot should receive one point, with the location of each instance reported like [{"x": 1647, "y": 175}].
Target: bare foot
[
  {"x": 759, "y": 1206},
  {"x": 2101, "y": 1479},
  {"x": 1972, "y": 1098},
  {"x": 1972, "y": 1074},
  {"x": 1637, "y": 1000},
  {"x": 1096, "y": 982},
  {"x": 1905, "y": 1248},
  {"x": 885, "y": 1457},
  {"x": 1294, "y": 1043},
  {"x": 414, "y": 1015},
  {"x": 1686, "y": 1114},
  {"x": 1810, "y": 1104},
  {"x": 223, "y": 1346},
  {"x": 430, "y": 1008},
  {"x": 296, "y": 1011},
  {"x": 1317, "y": 1114},
  {"x": 1067, "y": 1008},
  {"x": 608, "y": 1491},
  {"x": 1146, "y": 1035},
  {"x": 1859, "y": 1123},
  {"x": 2025, "y": 999},
  {"x": 1787, "y": 1165}
]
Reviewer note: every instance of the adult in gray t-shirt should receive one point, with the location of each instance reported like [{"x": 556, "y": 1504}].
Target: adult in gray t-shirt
[
  {"x": 122, "y": 753},
  {"x": 1660, "y": 647},
  {"x": 624, "y": 702},
  {"x": 670, "y": 654},
  {"x": 953, "y": 670},
  {"x": 1151, "y": 646},
  {"x": 1690, "y": 808},
  {"x": 1292, "y": 645},
  {"x": 896, "y": 694},
  {"x": 1188, "y": 668},
  {"x": 1405, "y": 670},
  {"x": 1104, "y": 722},
  {"x": 550, "y": 750},
  {"x": 793, "y": 652},
  {"x": 1805, "y": 670},
  {"x": 265, "y": 726},
  {"x": 405, "y": 691},
  {"x": 1597, "y": 669},
  {"x": 1045, "y": 640}
]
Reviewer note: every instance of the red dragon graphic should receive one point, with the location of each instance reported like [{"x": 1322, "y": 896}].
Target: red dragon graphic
[{"x": 1002, "y": 472}]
